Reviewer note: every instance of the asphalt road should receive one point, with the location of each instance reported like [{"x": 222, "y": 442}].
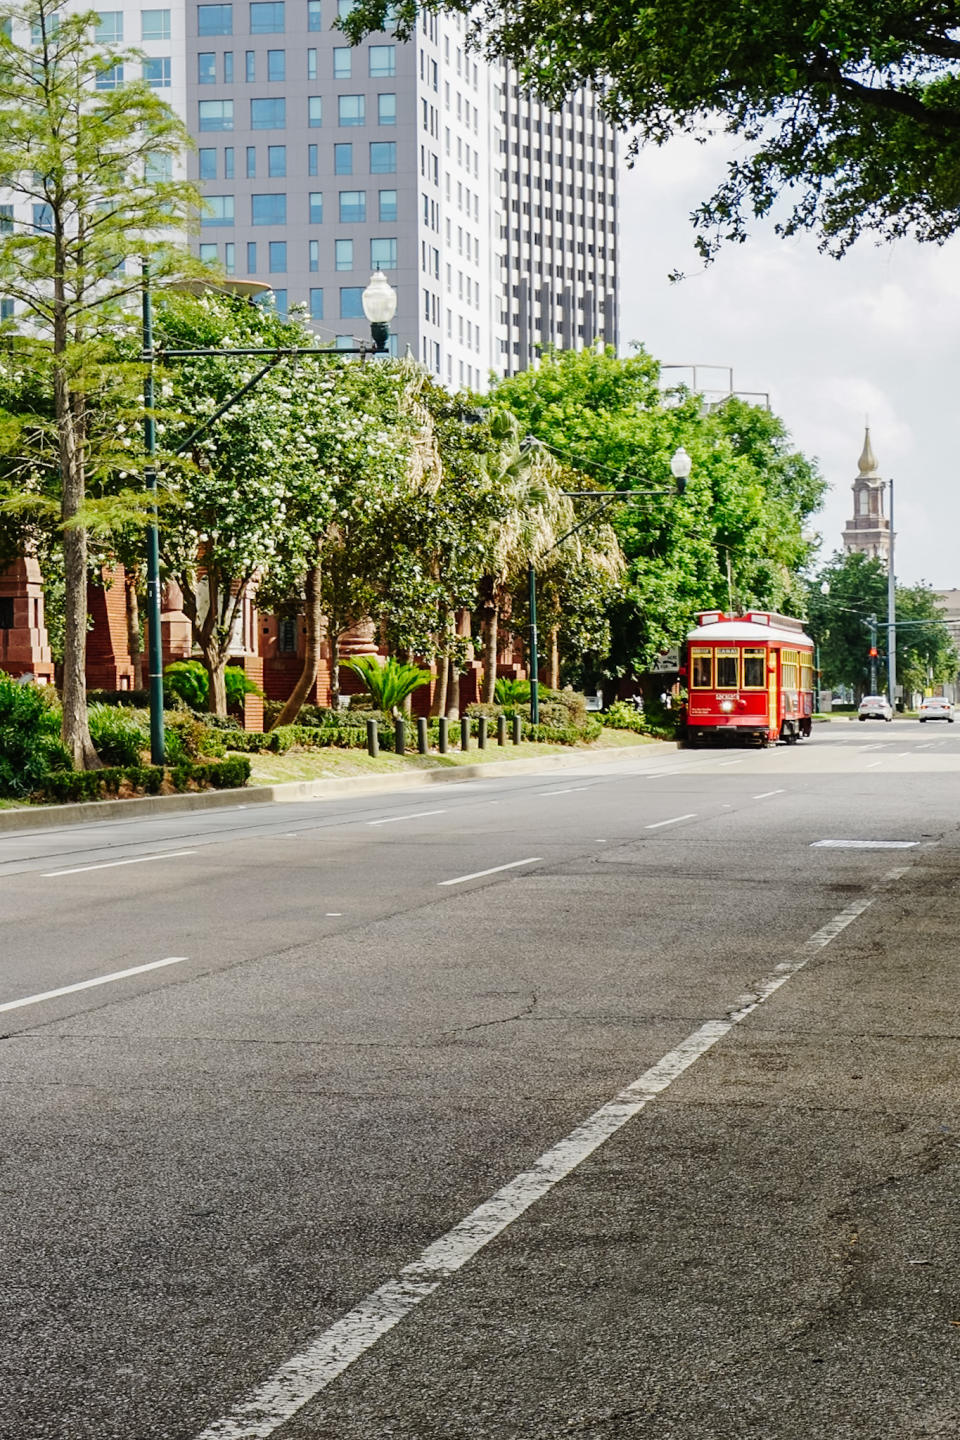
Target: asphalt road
[{"x": 614, "y": 1102}]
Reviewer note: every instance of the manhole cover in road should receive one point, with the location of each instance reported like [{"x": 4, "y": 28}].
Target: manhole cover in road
[{"x": 863, "y": 844}]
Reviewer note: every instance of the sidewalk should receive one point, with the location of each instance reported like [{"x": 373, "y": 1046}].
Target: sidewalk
[{"x": 54, "y": 817}]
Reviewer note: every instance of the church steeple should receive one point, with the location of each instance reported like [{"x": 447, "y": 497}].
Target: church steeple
[{"x": 868, "y": 533}]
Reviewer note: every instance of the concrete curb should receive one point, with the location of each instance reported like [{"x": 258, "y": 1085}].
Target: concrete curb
[{"x": 53, "y": 817}]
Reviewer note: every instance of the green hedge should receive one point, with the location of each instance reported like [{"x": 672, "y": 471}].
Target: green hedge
[{"x": 70, "y": 786}]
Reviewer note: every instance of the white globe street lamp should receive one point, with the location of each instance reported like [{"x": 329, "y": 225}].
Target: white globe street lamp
[
  {"x": 379, "y": 302},
  {"x": 680, "y": 467}
]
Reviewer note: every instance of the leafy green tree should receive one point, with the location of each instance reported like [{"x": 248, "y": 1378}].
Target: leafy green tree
[
  {"x": 93, "y": 168},
  {"x": 849, "y": 109},
  {"x": 842, "y": 597},
  {"x": 735, "y": 535}
]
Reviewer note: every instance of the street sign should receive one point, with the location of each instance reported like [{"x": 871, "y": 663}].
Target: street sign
[{"x": 666, "y": 663}]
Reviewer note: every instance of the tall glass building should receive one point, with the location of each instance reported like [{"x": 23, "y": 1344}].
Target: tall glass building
[{"x": 494, "y": 218}]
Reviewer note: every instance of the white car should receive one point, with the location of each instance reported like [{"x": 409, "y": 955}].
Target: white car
[
  {"x": 935, "y": 707},
  {"x": 875, "y": 707}
]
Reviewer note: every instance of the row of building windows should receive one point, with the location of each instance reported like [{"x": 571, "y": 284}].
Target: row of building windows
[
  {"x": 381, "y": 160},
  {"x": 266, "y": 17},
  {"x": 156, "y": 72},
  {"x": 382, "y": 251},
  {"x": 270, "y": 112},
  {"x": 154, "y": 25},
  {"x": 272, "y": 209},
  {"x": 382, "y": 65}
]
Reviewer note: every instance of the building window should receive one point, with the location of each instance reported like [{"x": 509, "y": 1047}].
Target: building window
[
  {"x": 268, "y": 209},
  {"x": 316, "y": 209},
  {"x": 343, "y": 159},
  {"x": 207, "y": 68},
  {"x": 228, "y": 153},
  {"x": 314, "y": 15},
  {"x": 6, "y": 219},
  {"x": 110, "y": 27},
  {"x": 383, "y": 61},
  {"x": 154, "y": 24},
  {"x": 251, "y": 257},
  {"x": 277, "y": 162},
  {"x": 214, "y": 19},
  {"x": 353, "y": 207},
  {"x": 342, "y": 55},
  {"x": 215, "y": 114},
  {"x": 383, "y": 157},
  {"x": 277, "y": 253},
  {"x": 383, "y": 254},
  {"x": 386, "y": 109},
  {"x": 251, "y": 162},
  {"x": 345, "y": 8},
  {"x": 388, "y": 205},
  {"x": 280, "y": 303},
  {"x": 156, "y": 72},
  {"x": 266, "y": 17},
  {"x": 43, "y": 217},
  {"x": 313, "y": 250},
  {"x": 315, "y": 111},
  {"x": 312, "y": 71},
  {"x": 351, "y": 302},
  {"x": 221, "y": 211},
  {"x": 313, "y": 159},
  {"x": 109, "y": 79},
  {"x": 208, "y": 163},
  {"x": 343, "y": 254},
  {"x": 230, "y": 257},
  {"x": 250, "y": 63},
  {"x": 276, "y": 65},
  {"x": 351, "y": 109},
  {"x": 228, "y": 67},
  {"x": 208, "y": 254},
  {"x": 316, "y": 300},
  {"x": 268, "y": 114}
]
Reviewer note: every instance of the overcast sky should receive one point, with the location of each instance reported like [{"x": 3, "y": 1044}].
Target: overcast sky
[{"x": 831, "y": 341}]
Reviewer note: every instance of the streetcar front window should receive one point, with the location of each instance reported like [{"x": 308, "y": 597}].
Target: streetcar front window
[
  {"x": 726, "y": 669},
  {"x": 754, "y": 676},
  {"x": 701, "y": 666}
]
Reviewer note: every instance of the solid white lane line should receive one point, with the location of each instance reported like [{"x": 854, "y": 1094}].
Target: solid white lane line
[
  {"x": 91, "y": 984},
  {"x": 863, "y": 844},
  {"x": 674, "y": 820},
  {"x": 112, "y": 864},
  {"x": 570, "y": 790},
  {"x": 721, "y": 763},
  {"x": 765, "y": 794},
  {"x": 873, "y": 765},
  {"x": 416, "y": 815},
  {"x": 302, "y": 1377},
  {"x": 494, "y": 869}
]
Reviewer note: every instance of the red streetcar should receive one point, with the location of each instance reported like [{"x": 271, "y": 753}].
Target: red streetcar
[{"x": 749, "y": 677}]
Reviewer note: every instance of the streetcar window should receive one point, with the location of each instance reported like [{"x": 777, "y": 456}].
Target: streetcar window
[
  {"x": 754, "y": 667},
  {"x": 789, "y": 677},
  {"x": 726, "y": 669},
  {"x": 806, "y": 677},
  {"x": 701, "y": 676}
]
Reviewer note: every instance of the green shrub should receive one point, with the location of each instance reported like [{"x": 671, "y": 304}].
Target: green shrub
[
  {"x": 482, "y": 707},
  {"x": 30, "y": 745},
  {"x": 389, "y": 681},
  {"x": 188, "y": 679},
  {"x": 188, "y": 737},
  {"x": 71, "y": 786},
  {"x": 119, "y": 735},
  {"x": 511, "y": 692},
  {"x": 129, "y": 699}
]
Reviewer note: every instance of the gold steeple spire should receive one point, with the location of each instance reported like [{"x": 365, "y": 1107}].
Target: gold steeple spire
[{"x": 867, "y": 461}]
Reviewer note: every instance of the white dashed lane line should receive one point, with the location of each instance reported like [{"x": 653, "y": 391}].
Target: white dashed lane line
[
  {"x": 91, "y": 984},
  {"x": 112, "y": 864},
  {"x": 674, "y": 820}
]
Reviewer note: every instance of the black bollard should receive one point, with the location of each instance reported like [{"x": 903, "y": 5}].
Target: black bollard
[
  {"x": 516, "y": 729},
  {"x": 501, "y": 729},
  {"x": 399, "y": 736},
  {"x": 442, "y": 738},
  {"x": 422, "y": 734},
  {"x": 464, "y": 732},
  {"x": 373, "y": 738},
  {"x": 482, "y": 733}
]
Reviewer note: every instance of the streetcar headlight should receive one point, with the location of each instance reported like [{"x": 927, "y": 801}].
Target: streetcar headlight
[{"x": 726, "y": 705}]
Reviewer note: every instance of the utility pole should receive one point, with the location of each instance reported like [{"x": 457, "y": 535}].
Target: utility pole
[
  {"x": 891, "y": 616},
  {"x": 872, "y": 626},
  {"x": 154, "y": 639}
]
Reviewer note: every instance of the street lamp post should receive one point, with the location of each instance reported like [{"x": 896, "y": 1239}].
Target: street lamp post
[
  {"x": 891, "y": 617},
  {"x": 680, "y": 466},
  {"x": 379, "y": 301}
]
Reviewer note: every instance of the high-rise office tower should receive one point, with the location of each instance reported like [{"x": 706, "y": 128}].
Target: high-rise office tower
[{"x": 494, "y": 218}]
